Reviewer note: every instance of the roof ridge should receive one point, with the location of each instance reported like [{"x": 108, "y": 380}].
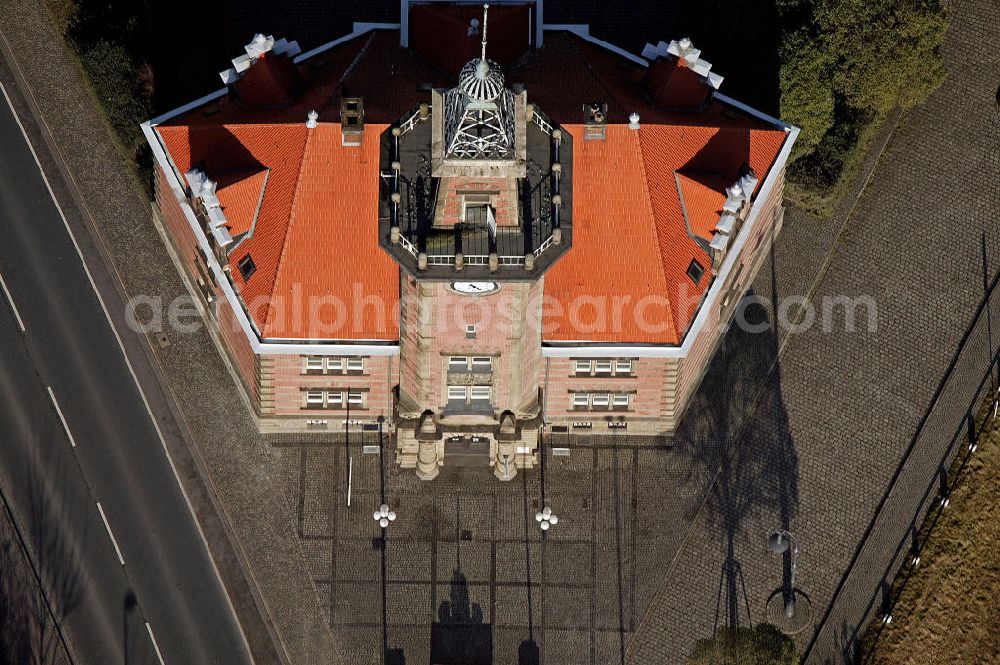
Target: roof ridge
[
  {"x": 310, "y": 135},
  {"x": 648, "y": 201},
  {"x": 593, "y": 73}
]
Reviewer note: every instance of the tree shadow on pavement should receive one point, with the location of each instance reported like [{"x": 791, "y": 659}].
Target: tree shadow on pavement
[{"x": 737, "y": 439}]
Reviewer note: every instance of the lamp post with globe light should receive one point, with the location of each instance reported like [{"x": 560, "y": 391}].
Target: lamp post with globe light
[
  {"x": 384, "y": 516},
  {"x": 546, "y": 518},
  {"x": 779, "y": 542}
]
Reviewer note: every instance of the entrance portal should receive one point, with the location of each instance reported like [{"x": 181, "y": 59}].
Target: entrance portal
[{"x": 467, "y": 450}]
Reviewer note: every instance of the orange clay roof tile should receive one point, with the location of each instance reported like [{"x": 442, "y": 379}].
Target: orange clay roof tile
[
  {"x": 316, "y": 235},
  {"x": 240, "y": 194}
]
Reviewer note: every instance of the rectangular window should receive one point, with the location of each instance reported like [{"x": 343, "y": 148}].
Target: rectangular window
[
  {"x": 581, "y": 401},
  {"x": 335, "y": 365},
  {"x": 581, "y": 366},
  {"x": 621, "y": 401},
  {"x": 602, "y": 367},
  {"x": 355, "y": 364},
  {"x": 335, "y": 399},
  {"x": 314, "y": 398},
  {"x": 458, "y": 363},
  {"x": 457, "y": 393},
  {"x": 480, "y": 393},
  {"x": 355, "y": 397},
  {"x": 482, "y": 363},
  {"x": 623, "y": 367},
  {"x": 470, "y": 332},
  {"x": 314, "y": 363},
  {"x": 600, "y": 401}
]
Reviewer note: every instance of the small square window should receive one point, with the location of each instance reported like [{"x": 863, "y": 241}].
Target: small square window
[
  {"x": 581, "y": 366},
  {"x": 314, "y": 397},
  {"x": 600, "y": 401},
  {"x": 457, "y": 393},
  {"x": 621, "y": 400},
  {"x": 602, "y": 367},
  {"x": 335, "y": 365},
  {"x": 581, "y": 401},
  {"x": 470, "y": 332},
  {"x": 355, "y": 397},
  {"x": 481, "y": 393},
  {"x": 247, "y": 267},
  {"x": 335, "y": 398},
  {"x": 355, "y": 364},
  {"x": 314, "y": 363},
  {"x": 695, "y": 271},
  {"x": 623, "y": 367}
]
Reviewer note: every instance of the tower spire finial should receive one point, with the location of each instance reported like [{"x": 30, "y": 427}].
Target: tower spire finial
[{"x": 486, "y": 11}]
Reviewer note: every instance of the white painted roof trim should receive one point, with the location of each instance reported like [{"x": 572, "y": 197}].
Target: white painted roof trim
[
  {"x": 358, "y": 30},
  {"x": 587, "y": 349},
  {"x": 389, "y": 348}
]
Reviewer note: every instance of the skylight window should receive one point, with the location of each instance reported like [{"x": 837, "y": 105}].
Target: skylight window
[
  {"x": 247, "y": 267},
  {"x": 695, "y": 271}
]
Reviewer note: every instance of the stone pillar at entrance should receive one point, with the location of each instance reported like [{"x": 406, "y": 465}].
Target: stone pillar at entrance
[
  {"x": 504, "y": 467},
  {"x": 428, "y": 464}
]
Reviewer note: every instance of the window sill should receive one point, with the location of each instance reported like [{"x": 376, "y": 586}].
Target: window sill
[{"x": 334, "y": 408}]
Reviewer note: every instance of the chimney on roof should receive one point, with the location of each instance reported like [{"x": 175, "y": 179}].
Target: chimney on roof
[
  {"x": 258, "y": 46},
  {"x": 266, "y": 76},
  {"x": 595, "y": 120},
  {"x": 312, "y": 119},
  {"x": 352, "y": 121},
  {"x": 678, "y": 77},
  {"x": 633, "y": 121}
]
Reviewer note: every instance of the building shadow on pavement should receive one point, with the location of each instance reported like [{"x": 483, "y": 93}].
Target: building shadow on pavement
[
  {"x": 736, "y": 440},
  {"x": 460, "y": 636},
  {"x": 28, "y": 630}
]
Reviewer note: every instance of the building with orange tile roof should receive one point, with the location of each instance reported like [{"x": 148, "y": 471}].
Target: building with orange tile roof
[{"x": 468, "y": 227}]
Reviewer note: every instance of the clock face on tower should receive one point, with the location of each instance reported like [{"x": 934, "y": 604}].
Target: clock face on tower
[{"x": 475, "y": 288}]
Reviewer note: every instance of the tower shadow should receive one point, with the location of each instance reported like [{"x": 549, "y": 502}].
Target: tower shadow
[{"x": 460, "y": 636}]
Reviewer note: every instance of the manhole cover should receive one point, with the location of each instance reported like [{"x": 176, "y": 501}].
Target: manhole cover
[{"x": 466, "y": 534}]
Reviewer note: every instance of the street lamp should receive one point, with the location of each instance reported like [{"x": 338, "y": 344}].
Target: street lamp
[
  {"x": 546, "y": 518},
  {"x": 779, "y": 542},
  {"x": 383, "y": 516}
]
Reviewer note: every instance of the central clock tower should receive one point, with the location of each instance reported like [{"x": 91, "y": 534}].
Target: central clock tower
[{"x": 475, "y": 206}]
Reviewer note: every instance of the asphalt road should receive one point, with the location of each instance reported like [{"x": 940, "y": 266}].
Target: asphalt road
[{"x": 53, "y": 486}]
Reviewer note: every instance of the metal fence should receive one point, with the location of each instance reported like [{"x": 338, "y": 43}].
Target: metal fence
[{"x": 887, "y": 555}]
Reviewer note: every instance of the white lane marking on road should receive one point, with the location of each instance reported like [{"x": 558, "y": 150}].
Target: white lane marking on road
[
  {"x": 62, "y": 419},
  {"x": 128, "y": 363},
  {"x": 156, "y": 647},
  {"x": 107, "y": 526},
  {"x": 10, "y": 300}
]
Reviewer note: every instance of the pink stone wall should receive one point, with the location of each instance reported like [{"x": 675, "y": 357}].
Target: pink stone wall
[
  {"x": 454, "y": 188},
  {"x": 287, "y": 380},
  {"x": 425, "y": 349},
  {"x": 648, "y": 386}
]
